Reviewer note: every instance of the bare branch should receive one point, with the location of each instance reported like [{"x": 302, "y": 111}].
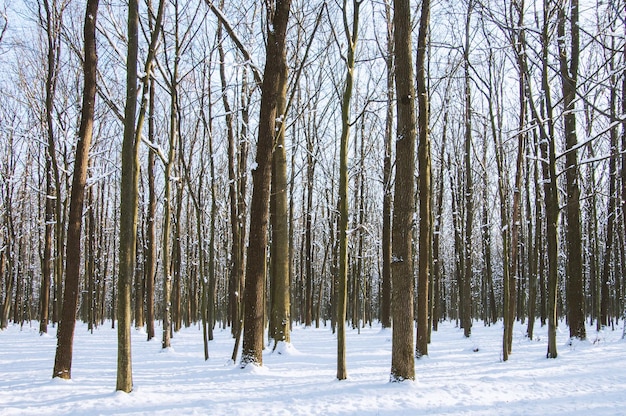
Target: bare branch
[{"x": 258, "y": 74}]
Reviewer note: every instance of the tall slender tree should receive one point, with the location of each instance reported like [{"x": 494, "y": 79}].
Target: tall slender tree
[
  {"x": 568, "y": 69},
  {"x": 275, "y": 65},
  {"x": 342, "y": 287},
  {"x": 623, "y": 153},
  {"x": 279, "y": 251},
  {"x": 50, "y": 18},
  {"x": 385, "y": 303},
  {"x": 147, "y": 105},
  {"x": 465, "y": 290},
  {"x": 63, "y": 356},
  {"x": 402, "y": 353},
  {"x": 424, "y": 188},
  {"x": 128, "y": 207}
]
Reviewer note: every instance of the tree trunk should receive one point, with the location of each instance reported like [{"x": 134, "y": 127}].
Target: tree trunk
[
  {"x": 342, "y": 281},
  {"x": 128, "y": 207},
  {"x": 275, "y": 65},
  {"x": 491, "y": 313},
  {"x": 531, "y": 254},
  {"x": 147, "y": 104},
  {"x": 48, "y": 250},
  {"x": 623, "y": 170},
  {"x": 550, "y": 186},
  {"x": 151, "y": 238},
  {"x": 63, "y": 356},
  {"x": 425, "y": 193},
  {"x": 569, "y": 76},
  {"x": 385, "y": 302},
  {"x": 52, "y": 23},
  {"x": 466, "y": 312},
  {"x": 279, "y": 252},
  {"x": 234, "y": 281},
  {"x": 402, "y": 353},
  {"x": 438, "y": 301}
]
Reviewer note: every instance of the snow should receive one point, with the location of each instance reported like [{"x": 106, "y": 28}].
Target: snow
[{"x": 459, "y": 377}]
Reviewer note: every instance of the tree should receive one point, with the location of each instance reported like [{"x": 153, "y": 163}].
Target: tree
[
  {"x": 63, "y": 356},
  {"x": 623, "y": 152},
  {"x": 518, "y": 44},
  {"x": 402, "y": 357},
  {"x": 568, "y": 68},
  {"x": 424, "y": 188},
  {"x": 148, "y": 105},
  {"x": 279, "y": 250},
  {"x": 151, "y": 239},
  {"x": 51, "y": 20},
  {"x": 465, "y": 289},
  {"x": 547, "y": 148},
  {"x": 385, "y": 303},
  {"x": 128, "y": 207},
  {"x": 275, "y": 65},
  {"x": 342, "y": 288},
  {"x": 236, "y": 193}
]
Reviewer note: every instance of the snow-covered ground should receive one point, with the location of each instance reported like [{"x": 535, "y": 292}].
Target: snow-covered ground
[{"x": 459, "y": 377}]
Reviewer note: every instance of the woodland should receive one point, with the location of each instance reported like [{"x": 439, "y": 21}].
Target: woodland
[{"x": 249, "y": 166}]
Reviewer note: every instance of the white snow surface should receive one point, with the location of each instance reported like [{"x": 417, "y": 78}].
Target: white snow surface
[{"x": 459, "y": 377}]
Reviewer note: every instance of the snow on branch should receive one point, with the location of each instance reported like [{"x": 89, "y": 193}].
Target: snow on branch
[{"x": 258, "y": 74}]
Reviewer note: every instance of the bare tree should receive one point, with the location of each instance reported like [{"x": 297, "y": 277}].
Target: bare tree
[
  {"x": 275, "y": 65},
  {"x": 385, "y": 303},
  {"x": 425, "y": 193},
  {"x": 568, "y": 68},
  {"x": 63, "y": 356},
  {"x": 402, "y": 353}
]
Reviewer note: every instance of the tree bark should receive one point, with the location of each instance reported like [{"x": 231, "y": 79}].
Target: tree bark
[
  {"x": 569, "y": 75},
  {"x": 466, "y": 292},
  {"x": 402, "y": 357},
  {"x": 342, "y": 289},
  {"x": 46, "y": 262},
  {"x": 150, "y": 269},
  {"x": 235, "y": 278},
  {"x": 52, "y": 23},
  {"x": 63, "y": 356},
  {"x": 275, "y": 64},
  {"x": 385, "y": 303},
  {"x": 279, "y": 251},
  {"x": 128, "y": 207},
  {"x": 623, "y": 169},
  {"x": 425, "y": 193},
  {"x": 438, "y": 301}
]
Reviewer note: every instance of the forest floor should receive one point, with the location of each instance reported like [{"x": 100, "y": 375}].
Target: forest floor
[{"x": 460, "y": 376}]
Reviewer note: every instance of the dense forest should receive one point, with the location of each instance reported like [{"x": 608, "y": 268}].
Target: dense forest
[{"x": 249, "y": 165}]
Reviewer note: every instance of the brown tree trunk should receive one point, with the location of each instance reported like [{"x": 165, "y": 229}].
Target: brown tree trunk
[
  {"x": 151, "y": 238},
  {"x": 385, "y": 302},
  {"x": 438, "y": 301},
  {"x": 279, "y": 270},
  {"x": 611, "y": 206},
  {"x": 63, "y": 356},
  {"x": 48, "y": 250},
  {"x": 569, "y": 76},
  {"x": 466, "y": 292},
  {"x": 275, "y": 64},
  {"x": 51, "y": 20},
  {"x": 425, "y": 193},
  {"x": 234, "y": 280},
  {"x": 342, "y": 280},
  {"x": 128, "y": 207},
  {"x": 402, "y": 353},
  {"x": 623, "y": 172},
  {"x": 148, "y": 105}
]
